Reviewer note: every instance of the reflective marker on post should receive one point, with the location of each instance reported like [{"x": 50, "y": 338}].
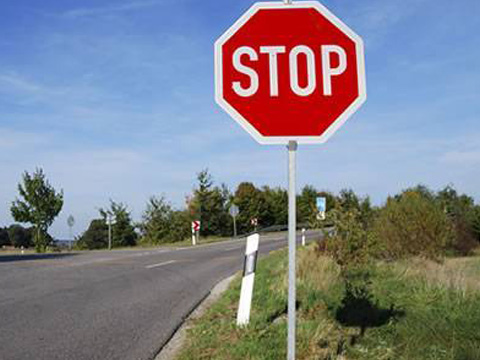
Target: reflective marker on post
[{"x": 246, "y": 293}]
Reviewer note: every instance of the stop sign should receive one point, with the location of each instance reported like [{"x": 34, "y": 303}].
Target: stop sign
[{"x": 289, "y": 72}]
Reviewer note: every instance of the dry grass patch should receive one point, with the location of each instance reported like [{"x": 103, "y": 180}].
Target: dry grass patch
[{"x": 459, "y": 274}]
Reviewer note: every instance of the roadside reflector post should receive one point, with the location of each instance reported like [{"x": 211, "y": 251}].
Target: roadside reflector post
[
  {"x": 246, "y": 293},
  {"x": 195, "y": 232},
  {"x": 303, "y": 237}
]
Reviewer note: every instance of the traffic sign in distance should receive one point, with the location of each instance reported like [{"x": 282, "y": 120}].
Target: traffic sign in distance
[
  {"x": 321, "y": 207},
  {"x": 289, "y": 72},
  {"x": 195, "y": 225},
  {"x": 233, "y": 210}
]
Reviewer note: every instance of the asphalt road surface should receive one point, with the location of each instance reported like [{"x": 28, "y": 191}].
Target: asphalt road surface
[{"x": 108, "y": 305}]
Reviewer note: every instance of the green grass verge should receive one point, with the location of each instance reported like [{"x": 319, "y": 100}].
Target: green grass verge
[
  {"x": 203, "y": 240},
  {"x": 416, "y": 310}
]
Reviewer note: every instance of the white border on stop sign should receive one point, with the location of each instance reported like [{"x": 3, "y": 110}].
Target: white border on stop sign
[{"x": 283, "y": 140}]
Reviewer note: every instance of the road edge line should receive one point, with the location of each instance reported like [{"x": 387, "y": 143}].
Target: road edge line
[{"x": 171, "y": 348}]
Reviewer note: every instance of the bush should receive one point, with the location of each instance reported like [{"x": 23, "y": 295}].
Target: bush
[
  {"x": 475, "y": 222},
  {"x": 412, "y": 224},
  {"x": 96, "y": 236},
  {"x": 20, "y": 236},
  {"x": 349, "y": 244},
  {"x": 162, "y": 224},
  {"x": 4, "y": 238}
]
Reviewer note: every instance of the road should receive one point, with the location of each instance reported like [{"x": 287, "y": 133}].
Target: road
[{"x": 121, "y": 304}]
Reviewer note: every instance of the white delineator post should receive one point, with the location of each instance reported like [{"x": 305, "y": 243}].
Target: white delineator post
[
  {"x": 292, "y": 229},
  {"x": 243, "y": 315},
  {"x": 303, "y": 237},
  {"x": 193, "y": 235}
]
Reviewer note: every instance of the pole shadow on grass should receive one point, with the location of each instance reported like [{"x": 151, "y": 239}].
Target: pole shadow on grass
[{"x": 359, "y": 309}]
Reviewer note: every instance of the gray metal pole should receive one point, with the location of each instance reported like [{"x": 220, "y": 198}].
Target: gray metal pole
[
  {"x": 70, "y": 237},
  {"x": 109, "y": 234},
  {"x": 234, "y": 226},
  {"x": 292, "y": 227}
]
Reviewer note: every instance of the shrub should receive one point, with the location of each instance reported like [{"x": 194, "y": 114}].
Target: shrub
[
  {"x": 412, "y": 224},
  {"x": 352, "y": 247},
  {"x": 20, "y": 236},
  {"x": 95, "y": 237},
  {"x": 4, "y": 238}
]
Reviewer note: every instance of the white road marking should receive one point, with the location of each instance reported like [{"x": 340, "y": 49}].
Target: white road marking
[
  {"x": 160, "y": 264},
  {"x": 232, "y": 248}
]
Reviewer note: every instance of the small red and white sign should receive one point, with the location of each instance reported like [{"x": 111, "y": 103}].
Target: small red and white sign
[
  {"x": 195, "y": 226},
  {"x": 289, "y": 72}
]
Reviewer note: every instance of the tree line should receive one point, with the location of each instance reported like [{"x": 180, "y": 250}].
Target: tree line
[{"x": 402, "y": 217}]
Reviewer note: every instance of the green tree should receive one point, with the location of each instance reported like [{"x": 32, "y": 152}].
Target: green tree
[
  {"x": 20, "y": 236},
  {"x": 475, "y": 221},
  {"x": 180, "y": 225},
  {"x": 411, "y": 224},
  {"x": 461, "y": 210},
  {"x": 156, "y": 224},
  {"x": 123, "y": 231},
  {"x": 210, "y": 205},
  {"x": 306, "y": 204},
  {"x": 348, "y": 201},
  {"x": 276, "y": 202},
  {"x": 40, "y": 206},
  {"x": 251, "y": 203},
  {"x": 95, "y": 237}
]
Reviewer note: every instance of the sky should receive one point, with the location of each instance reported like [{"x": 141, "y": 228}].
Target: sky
[{"x": 114, "y": 99}]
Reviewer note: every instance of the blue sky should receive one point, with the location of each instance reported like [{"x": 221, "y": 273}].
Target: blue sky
[{"x": 114, "y": 99}]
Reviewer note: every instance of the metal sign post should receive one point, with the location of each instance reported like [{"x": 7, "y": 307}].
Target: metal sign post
[
  {"x": 234, "y": 212},
  {"x": 260, "y": 83},
  {"x": 292, "y": 229},
  {"x": 70, "y": 223},
  {"x": 110, "y": 220}
]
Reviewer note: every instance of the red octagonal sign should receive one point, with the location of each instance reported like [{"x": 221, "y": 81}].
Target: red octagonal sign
[{"x": 289, "y": 72}]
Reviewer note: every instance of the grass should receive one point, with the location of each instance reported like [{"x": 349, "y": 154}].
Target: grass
[
  {"x": 203, "y": 240},
  {"x": 415, "y": 310}
]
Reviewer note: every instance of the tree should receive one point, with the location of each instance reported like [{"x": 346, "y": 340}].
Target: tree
[
  {"x": 306, "y": 204},
  {"x": 251, "y": 203},
  {"x": 462, "y": 212},
  {"x": 349, "y": 201},
  {"x": 156, "y": 221},
  {"x": 95, "y": 237},
  {"x": 123, "y": 231},
  {"x": 40, "y": 206},
  {"x": 412, "y": 224},
  {"x": 20, "y": 236},
  {"x": 180, "y": 225},
  {"x": 276, "y": 201},
  {"x": 209, "y": 205},
  {"x": 4, "y": 238}
]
